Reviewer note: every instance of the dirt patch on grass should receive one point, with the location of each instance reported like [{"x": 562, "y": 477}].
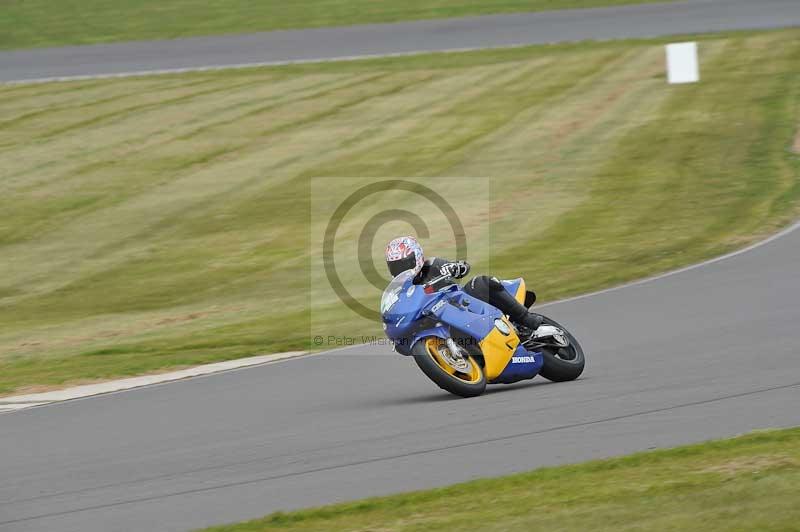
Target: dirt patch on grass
[
  {"x": 179, "y": 319},
  {"x": 796, "y": 145},
  {"x": 752, "y": 464}
]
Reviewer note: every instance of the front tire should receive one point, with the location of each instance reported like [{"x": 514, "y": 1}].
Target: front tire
[
  {"x": 427, "y": 354},
  {"x": 562, "y": 364}
]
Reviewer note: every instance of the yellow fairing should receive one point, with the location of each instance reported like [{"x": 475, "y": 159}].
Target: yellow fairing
[
  {"x": 497, "y": 349},
  {"x": 520, "y": 295}
]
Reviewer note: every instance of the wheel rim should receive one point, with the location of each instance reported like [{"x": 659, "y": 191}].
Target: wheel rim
[
  {"x": 567, "y": 355},
  {"x": 435, "y": 348}
]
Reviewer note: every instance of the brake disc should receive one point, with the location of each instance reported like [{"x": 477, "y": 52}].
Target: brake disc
[{"x": 454, "y": 357}]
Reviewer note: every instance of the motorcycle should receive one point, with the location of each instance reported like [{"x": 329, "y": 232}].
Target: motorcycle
[{"x": 462, "y": 343}]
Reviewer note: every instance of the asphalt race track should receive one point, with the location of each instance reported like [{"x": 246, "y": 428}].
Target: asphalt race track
[
  {"x": 709, "y": 352},
  {"x": 647, "y": 20}
]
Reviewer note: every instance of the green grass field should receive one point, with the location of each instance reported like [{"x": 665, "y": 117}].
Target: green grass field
[
  {"x": 745, "y": 483},
  {"x": 157, "y": 222},
  {"x": 46, "y": 23}
]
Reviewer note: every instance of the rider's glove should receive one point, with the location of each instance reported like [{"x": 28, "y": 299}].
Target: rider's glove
[{"x": 456, "y": 270}]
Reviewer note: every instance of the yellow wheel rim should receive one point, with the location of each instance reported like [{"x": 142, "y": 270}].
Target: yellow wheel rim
[{"x": 435, "y": 346}]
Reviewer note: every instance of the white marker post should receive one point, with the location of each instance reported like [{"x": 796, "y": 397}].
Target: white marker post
[{"x": 682, "y": 65}]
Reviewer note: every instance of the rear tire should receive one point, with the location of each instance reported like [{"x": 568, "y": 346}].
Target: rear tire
[
  {"x": 456, "y": 383},
  {"x": 558, "y": 369}
]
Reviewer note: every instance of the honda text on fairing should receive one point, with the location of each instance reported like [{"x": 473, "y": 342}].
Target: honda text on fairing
[{"x": 463, "y": 343}]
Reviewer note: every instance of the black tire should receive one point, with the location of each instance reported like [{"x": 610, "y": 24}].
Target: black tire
[
  {"x": 558, "y": 369},
  {"x": 450, "y": 383}
]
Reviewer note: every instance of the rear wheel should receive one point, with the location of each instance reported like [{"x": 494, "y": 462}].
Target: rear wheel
[
  {"x": 562, "y": 363},
  {"x": 460, "y": 375}
]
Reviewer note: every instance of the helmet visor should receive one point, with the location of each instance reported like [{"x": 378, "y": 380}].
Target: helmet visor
[{"x": 396, "y": 267}]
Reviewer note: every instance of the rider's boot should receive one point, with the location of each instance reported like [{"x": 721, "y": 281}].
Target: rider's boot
[
  {"x": 527, "y": 323},
  {"x": 532, "y": 328},
  {"x": 529, "y": 320}
]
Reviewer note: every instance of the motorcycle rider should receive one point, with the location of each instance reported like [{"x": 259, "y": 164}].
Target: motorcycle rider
[{"x": 405, "y": 253}]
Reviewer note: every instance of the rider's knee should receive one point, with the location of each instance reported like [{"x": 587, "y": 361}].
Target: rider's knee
[
  {"x": 481, "y": 286},
  {"x": 493, "y": 283}
]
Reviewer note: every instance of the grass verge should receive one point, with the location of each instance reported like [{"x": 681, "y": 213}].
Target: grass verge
[
  {"x": 34, "y": 23},
  {"x": 744, "y": 483},
  {"x": 158, "y": 222}
]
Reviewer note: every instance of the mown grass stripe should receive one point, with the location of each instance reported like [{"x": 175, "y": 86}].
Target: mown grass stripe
[
  {"x": 115, "y": 232},
  {"x": 38, "y": 112}
]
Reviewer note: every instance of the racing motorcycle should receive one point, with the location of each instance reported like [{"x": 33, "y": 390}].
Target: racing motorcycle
[{"x": 462, "y": 343}]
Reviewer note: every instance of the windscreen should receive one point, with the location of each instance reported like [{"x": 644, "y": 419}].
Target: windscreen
[{"x": 392, "y": 292}]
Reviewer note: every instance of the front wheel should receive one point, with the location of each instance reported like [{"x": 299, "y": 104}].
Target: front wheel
[
  {"x": 463, "y": 377},
  {"x": 562, "y": 363}
]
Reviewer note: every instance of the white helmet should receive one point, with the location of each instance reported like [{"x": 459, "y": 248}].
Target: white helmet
[{"x": 404, "y": 253}]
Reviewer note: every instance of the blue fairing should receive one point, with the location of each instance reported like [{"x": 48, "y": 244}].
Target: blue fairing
[
  {"x": 409, "y": 314},
  {"x": 524, "y": 365},
  {"x": 511, "y": 285}
]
